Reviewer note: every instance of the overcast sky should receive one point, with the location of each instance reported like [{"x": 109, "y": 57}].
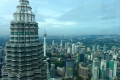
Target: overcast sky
[{"x": 67, "y": 17}]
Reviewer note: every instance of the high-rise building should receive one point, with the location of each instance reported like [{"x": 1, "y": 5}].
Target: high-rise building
[
  {"x": 2, "y": 59},
  {"x": 24, "y": 51},
  {"x": 53, "y": 43},
  {"x": 98, "y": 47},
  {"x": 69, "y": 50},
  {"x": 95, "y": 73},
  {"x": 44, "y": 42},
  {"x": 104, "y": 48},
  {"x": 109, "y": 74},
  {"x": 52, "y": 71},
  {"x": 68, "y": 45},
  {"x": 65, "y": 45},
  {"x": 69, "y": 68},
  {"x": 103, "y": 69},
  {"x": 81, "y": 57},
  {"x": 48, "y": 71},
  {"x": 61, "y": 44},
  {"x": 73, "y": 49},
  {"x": 83, "y": 71},
  {"x": 95, "y": 69},
  {"x": 115, "y": 69},
  {"x": 96, "y": 62},
  {"x": 93, "y": 48}
]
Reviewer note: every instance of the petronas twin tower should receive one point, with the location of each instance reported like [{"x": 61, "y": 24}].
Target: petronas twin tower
[{"x": 24, "y": 51}]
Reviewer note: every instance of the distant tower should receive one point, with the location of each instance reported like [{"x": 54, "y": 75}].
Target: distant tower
[
  {"x": 93, "y": 48},
  {"x": 98, "y": 47},
  {"x": 61, "y": 44},
  {"x": 73, "y": 49},
  {"x": 44, "y": 42},
  {"x": 104, "y": 48},
  {"x": 103, "y": 69},
  {"x": 53, "y": 43}
]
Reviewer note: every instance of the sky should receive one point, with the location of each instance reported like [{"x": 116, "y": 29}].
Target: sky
[{"x": 67, "y": 17}]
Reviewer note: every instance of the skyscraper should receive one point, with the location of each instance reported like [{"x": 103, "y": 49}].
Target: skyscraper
[
  {"x": 52, "y": 71},
  {"x": 103, "y": 69},
  {"x": 69, "y": 68},
  {"x": 24, "y": 51},
  {"x": 73, "y": 49}
]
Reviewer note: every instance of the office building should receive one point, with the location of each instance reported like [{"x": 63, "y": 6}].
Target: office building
[
  {"x": 98, "y": 47},
  {"x": 61, "y": 71},
  {"x": 81, "y": 57},
  {"x": 69, "y": 68},
  {"x": 53, "y": 43},
  {"x": 103, "y": 69},
  {"x": 83, "y": 71},
  {"x": 69, "y": 50},
  {"x": 73, "y": 49},
  {"x": 24, "y": 51},
  {"x": 104, "y": 48},
  {"x": 95, "y": 73},
  {"x": 52, "y": 71},
  {"x": 93, "y": 48}
]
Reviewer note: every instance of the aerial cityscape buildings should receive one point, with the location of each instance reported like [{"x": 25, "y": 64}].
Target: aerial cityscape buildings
[{"x": 26, "y": 55}]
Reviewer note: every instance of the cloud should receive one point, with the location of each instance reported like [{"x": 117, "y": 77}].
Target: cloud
[{"x": 68, "y": 16}]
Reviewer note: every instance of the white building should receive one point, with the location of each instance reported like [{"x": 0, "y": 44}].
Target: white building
[
  {"x": 69, "y": 50},
  {"x": 95, "y": 73},
  {"x": 73, "y": 49}
]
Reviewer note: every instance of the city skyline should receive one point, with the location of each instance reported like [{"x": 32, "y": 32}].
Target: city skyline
[{"x": 68, "y": 17}]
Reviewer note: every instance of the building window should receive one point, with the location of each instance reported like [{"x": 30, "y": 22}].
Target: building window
[
  {"x": 12, "y": 33},
  {"x": 26, "y": 33},
  {"x": 21, "y": 33},
  {"x": 16, "y": 33},
  {"x": 31, "y": 33}
]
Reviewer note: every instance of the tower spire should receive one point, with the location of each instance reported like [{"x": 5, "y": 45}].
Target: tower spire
[
  {"x": 44, "y": 29},
  {"x": 44, "y": 42}
]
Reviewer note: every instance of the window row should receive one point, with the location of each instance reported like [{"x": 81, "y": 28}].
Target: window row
[{"x": 24, "y": 33}]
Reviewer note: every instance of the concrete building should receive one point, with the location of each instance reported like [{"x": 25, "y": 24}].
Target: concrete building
[
  {"x": 95, "y": 69},
  {"x": 68, "y": 45},
  {"x": 61, "y": 71},
  {"x": 83, "y": 71},
  {"x": 73, "y": 49},
  {"x": 69, "y": 50},
  {"x": 61, "y": 45},
  {"x": 81, "y": 57},
  {"x": 95, "y": 73},
  {"x": 24, "y": 51},
  {"x": 65, "y": 45},
  {"x": 52, "y": 71},
  {"x": 115, "y": 69},
  {"x": 103, "y": 69},
  {"x": 98, "y": 47},
  {"x": 96, "y": 62},
  {"x": 2, "y": 59},
  {"x": 104, "y": 48},
  {"x": 93, "y": 48},
  {"x": 53, "y": 43}
]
